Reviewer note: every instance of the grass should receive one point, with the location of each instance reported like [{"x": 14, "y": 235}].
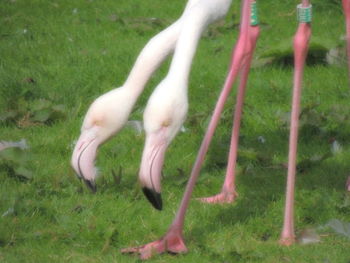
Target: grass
[{"x": 57, "y": 56}]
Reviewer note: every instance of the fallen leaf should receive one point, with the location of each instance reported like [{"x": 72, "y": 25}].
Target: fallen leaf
[
  {"x": 41, "y": 115},
  {"x": 22, "y": 144},
  {"x": 136, "y": 126},
  {"x": 340, "y": 227},
  {"x": 283, "y": 117},
  {"x": 346, "y": 202},
  {"x": 14, "y": 154},
  {"x": 336, "y": 147},
  {"x": 8, "y": 212},
  {"x": 337, "y": 56},
  {"x": 14, "y": 160},
  {"x": 308, "y": 236},
  {"x": 261, "y": 139}
]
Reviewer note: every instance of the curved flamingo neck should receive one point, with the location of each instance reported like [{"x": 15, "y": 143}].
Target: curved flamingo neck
[
  {"x": 150, "y": 59},
  {"x": 195, "y": 21},
  {"x": 153, "y": 54},
  {"x": 186, "y": 48}
]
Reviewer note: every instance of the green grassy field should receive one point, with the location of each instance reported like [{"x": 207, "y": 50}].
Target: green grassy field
[{"x": 58, "y": 56}]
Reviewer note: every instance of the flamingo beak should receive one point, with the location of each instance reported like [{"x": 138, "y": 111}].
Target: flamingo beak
[
  {"x": 83, "y": 159},
  {"x": 154, "y": 198},
  {"x": 151, "y": 170}
]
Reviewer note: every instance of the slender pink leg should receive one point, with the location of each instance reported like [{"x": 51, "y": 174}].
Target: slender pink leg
[
  {"x": 346, "y": 8},
  {"x": 301, "y": 41},
  {"x": 173, "y": 239},
  {"x": 228, "y": 192}
]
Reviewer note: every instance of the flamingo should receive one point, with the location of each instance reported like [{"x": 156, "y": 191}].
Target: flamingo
[
  {"x": 108, "y": 114},
  {"x": 167, "y": 107}
]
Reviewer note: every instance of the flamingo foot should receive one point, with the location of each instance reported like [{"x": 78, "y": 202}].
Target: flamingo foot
[
  {"x": 225, "y": 197},
  {"x": 287, "y": 241},
  {"x": 172, "y": 243}
]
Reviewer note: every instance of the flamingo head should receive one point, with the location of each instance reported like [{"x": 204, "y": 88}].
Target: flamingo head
[
  {"x": 105, "y": 117},
  {"x": 84, "y": 155},
  {"x": 163, "y": 117}
]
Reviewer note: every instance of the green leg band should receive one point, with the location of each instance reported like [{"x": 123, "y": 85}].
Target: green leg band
[
  {"x": 254, "y": 21},
  {"x": 304, "y": 14}
]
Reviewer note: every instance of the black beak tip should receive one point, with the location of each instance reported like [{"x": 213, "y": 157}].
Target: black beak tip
[
  {"x": 154, "y": 197},
  {"x": 91, "y": 184}
]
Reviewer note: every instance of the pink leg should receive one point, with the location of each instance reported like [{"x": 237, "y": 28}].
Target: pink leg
[
  {"x": 301, "y": 41},
  {"x": 172, "y": 242},
  {"x": 228, "y": 192},
  {"x": 173, "y": 239},
  {"x": 346, "y": 8}
]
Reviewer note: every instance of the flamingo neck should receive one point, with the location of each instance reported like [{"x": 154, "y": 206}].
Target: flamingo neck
[
  {"x": 150, "y": 58},
  {"x": 198, "y": 17},
  {"x": 194, "y": 24}
]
